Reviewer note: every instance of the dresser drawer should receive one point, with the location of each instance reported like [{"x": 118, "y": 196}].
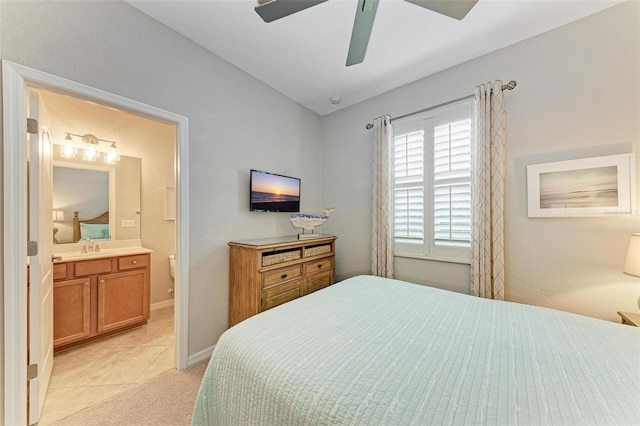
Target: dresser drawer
[
  {"x": 319, "y": 266},
  {"x": 59, "y": 271},
  {"x": 281, "y": 275},
  {"x": 133, "y": 262},
  {"x": 280, "y": 294},
  {"x": 318, "y": 282},
  {"x": 91, "y": 267}
]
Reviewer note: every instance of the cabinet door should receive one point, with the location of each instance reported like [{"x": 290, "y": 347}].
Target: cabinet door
[
  {"x": 123, "y": 299},
  {"x": 71, "y": 311}
]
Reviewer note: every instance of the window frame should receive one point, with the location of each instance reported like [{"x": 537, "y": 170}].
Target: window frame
[{"x": 426, "y": 122}]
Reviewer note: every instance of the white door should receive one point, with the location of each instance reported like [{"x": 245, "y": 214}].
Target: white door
[{"x": 40, "y": 229}]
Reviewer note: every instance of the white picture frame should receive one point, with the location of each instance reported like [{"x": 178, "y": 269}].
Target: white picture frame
[{"x": 595, "y": 186}]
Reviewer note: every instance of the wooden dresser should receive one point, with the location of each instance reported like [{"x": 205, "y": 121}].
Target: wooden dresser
[
  {"x": 269, "y": 272},
  {"x": 97, "y": 297}
]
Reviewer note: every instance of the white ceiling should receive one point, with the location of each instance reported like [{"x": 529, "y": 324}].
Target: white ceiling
[{"x": 303, "y": 55}]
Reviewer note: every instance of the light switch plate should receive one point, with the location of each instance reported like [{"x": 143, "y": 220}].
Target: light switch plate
[{"x": 128, "y": 223}]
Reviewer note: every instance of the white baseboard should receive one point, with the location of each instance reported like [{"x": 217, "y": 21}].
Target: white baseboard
[
  {"x": 200, "y": 356},
  {"x": 163, "y": 304}
]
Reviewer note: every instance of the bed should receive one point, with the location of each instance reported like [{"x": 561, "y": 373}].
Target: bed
[
  {"x": 375, "y": 351},
  {"x": 96, "y": 228}
]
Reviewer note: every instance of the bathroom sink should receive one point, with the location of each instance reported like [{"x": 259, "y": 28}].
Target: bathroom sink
[{"x": 104, "y": 252}]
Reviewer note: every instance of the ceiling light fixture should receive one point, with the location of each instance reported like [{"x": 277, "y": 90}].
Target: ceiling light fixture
[
  {"x": 90, "y": 147},
  {"x": 335, "y": 100}
]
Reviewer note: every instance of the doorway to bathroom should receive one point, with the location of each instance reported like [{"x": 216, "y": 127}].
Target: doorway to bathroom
[
  {"x": 133, "y": 191},
  {"x": 17, "y": 80}
]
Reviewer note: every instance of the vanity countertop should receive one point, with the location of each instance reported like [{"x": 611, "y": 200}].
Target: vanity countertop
[{"x": 106, "y": 252}]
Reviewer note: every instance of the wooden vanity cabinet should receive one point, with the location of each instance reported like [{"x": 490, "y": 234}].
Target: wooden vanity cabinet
[
  {"x": 123, "y": 299},
  {"x": 71, "y": 310},
  {"x": 266, "y": 273},
  {"x": 97, "y": 297}
]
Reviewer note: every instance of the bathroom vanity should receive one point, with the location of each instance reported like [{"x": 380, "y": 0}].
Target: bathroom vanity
[{"x": 100, "y": 293}]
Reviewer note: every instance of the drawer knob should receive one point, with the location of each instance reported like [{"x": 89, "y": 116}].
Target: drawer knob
[
  {"x": 320, "y": 266},
  {"x": 87, "y": 283},
  {"x": 134, "y": 261},
  {"x": 283, "y": 276},
  {"x": 101, "y": 282}
]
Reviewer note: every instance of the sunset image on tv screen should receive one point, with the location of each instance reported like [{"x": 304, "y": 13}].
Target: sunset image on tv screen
[{"x": 277, "y": 193}]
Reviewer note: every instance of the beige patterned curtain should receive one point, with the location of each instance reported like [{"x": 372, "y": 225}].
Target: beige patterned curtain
[
  {"x": 382, "y": 217},
  {"x": 487, "y": 217}
]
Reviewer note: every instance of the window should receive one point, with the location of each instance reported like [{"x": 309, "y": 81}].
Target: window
[{"x": 432, "y": 184}]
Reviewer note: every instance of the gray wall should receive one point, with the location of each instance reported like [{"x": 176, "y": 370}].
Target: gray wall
[
  {"x": 578, "y": 95},
  {"x": 235, "y": 123}
]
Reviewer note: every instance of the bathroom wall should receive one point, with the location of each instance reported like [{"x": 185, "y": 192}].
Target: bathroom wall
[
  {"x": 154, "y": 143},
  {"x": 139, "y": 137}
]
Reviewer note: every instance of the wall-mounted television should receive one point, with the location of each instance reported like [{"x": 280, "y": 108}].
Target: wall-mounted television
[{"x": 271, "y": 192}]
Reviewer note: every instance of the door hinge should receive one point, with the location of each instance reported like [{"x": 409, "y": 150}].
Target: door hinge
[
  {"x": 32, "y": 248},
  {"x": 32, "y": 126},
  {"x": 32, "y": 371}
]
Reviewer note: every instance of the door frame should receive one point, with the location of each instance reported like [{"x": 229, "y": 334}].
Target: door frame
[{"x": 15, "y": 80}]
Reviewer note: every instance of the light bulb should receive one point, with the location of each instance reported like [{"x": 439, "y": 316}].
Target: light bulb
[
  {"x": 90, "y": 153},
  {"x": 112, "y": 155},
  {"x": 67, "y": 149}
]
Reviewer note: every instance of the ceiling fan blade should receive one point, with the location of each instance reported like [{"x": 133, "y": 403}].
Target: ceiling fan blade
[
  {"x": 362, "y": 25},
  {"x": 457, "y": 9},
  {"x": 270, "y": 10}
]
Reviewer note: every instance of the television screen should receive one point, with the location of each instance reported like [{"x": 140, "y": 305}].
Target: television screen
[{"x": 274, "y": 193}]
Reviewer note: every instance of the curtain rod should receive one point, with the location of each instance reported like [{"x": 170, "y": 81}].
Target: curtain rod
[{"x": 509, "y": 86}]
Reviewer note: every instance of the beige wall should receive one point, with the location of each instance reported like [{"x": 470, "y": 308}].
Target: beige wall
[
  {"x": 128, "y": 194},
  {"x": 155, "y": 146},
  {"x": 578, "y": 95}
]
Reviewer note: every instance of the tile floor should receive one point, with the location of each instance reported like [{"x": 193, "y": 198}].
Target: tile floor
[{"x": 87, "y": 375}]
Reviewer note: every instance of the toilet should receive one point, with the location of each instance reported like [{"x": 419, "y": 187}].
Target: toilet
[{"x": 172, "y": 265}]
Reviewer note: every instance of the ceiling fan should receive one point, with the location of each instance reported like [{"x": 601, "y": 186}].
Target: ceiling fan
[{"x": 271, "y": 10}]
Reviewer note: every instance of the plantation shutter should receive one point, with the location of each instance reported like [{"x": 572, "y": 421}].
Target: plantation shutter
[
  {"x": 408, "y": 205},
  {"x": 452, "y": 183},
  {"x": 432, "y": 184}
]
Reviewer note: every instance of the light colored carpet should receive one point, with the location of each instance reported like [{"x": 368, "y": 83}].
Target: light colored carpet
[{"x": 167, "y": 399}]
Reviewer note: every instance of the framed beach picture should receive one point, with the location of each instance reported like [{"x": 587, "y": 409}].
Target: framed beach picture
[{"x": 596, "y": 186}]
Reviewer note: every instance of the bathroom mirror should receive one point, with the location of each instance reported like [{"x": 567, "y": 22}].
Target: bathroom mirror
[{"x": 93, "y": 189}]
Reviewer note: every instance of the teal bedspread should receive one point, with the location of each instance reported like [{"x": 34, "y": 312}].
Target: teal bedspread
[{"x": 373, "y": 351}]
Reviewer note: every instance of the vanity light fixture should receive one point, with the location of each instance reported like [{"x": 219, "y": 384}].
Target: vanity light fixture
[{"x": 90, "y": 147}]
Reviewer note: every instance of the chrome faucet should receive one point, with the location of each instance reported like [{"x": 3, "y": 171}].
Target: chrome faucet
[{"x": 84, "y": 248}]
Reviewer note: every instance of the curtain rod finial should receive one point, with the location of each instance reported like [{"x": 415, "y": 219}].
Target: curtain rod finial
[{"x": 511, "y": 85}]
